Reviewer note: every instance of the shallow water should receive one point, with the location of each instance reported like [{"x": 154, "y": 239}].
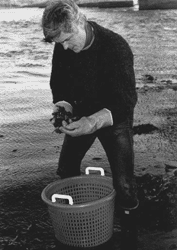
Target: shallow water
[{"x": 25, "y": 58}]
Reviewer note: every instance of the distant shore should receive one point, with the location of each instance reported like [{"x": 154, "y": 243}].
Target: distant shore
[{"x": 81, "y": 3}]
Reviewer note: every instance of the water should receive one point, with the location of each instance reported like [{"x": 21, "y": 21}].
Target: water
[
  {"x": 24, "y": 58},
  {"x": 25, "y": 61}
]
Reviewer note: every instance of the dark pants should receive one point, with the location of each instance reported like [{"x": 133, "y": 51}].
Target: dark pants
[{"x": 117, "y": 142}]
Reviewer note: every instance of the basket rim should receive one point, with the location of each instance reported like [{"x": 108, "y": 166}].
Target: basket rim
[{"x": 77, "y": 206}]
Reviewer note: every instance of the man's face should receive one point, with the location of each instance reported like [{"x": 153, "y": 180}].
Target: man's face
[{"x": 74, "y": 41}]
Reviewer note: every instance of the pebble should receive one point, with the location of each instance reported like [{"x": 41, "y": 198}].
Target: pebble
[{"x": 171, "y": 165}]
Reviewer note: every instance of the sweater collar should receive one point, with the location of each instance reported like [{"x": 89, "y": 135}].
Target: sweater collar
[{"x": 89, "y": 36}]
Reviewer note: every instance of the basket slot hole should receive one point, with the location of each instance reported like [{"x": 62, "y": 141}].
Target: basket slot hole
[{"x": 84, "y": 192}]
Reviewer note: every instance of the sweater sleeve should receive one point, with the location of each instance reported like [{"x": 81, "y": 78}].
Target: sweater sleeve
[
  {"x": 122, "y": 89},
  {"x": 58, "y": 78}
]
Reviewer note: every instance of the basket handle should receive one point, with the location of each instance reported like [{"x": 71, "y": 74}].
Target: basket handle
[
  {"x": 62, "y": 196},
  {"x": 95, "y": 168}
]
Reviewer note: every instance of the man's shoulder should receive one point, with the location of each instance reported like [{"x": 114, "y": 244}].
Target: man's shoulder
[
  {"x": 110, "y": 34},
  {"x": 109, "y": 37}
]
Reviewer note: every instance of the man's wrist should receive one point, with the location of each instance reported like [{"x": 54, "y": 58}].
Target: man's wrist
[
  {"x": 102, "y": 118},
  {"x": 110, "y": 114}
]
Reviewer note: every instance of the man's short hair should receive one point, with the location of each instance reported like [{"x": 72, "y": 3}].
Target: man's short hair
[{"x": 59, "y": 15}]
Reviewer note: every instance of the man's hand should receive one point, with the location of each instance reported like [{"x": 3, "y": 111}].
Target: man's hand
[
  {"x": 84, "y": 126},
  {"x": 66, "y": 105},
  {"x": 88, "y": 125},
  {"x": 62, "y": 111}
]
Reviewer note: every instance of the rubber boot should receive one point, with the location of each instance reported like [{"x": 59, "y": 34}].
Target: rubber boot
[{"x": 128, "y": 223}]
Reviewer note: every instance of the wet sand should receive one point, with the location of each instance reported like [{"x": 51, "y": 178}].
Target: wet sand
[{"x": 28, "y": 165}]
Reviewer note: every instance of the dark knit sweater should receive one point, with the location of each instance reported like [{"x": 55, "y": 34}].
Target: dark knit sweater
[{"x": 97, "y": 78}]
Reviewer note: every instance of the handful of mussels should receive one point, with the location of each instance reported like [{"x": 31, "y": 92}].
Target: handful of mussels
[{"x": 59, "y": 116}]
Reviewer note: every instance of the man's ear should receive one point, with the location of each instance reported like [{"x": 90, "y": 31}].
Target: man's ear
[
  {"x": 80, "y": 23},
  {"x": 74, "y": 27}
]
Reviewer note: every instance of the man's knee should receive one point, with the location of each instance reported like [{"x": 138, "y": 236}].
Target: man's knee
[{"x": 65, "y": 172}]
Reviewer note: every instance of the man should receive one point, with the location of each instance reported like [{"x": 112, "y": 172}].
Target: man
[{"x": 93, "y": 78}]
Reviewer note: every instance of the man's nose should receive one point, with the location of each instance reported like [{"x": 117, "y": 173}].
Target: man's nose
[{"x": 65, "y": 45}]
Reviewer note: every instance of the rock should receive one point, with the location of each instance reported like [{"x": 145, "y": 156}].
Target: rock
[
  {"x": 144, "y": 129},
  {"x": 174, "y": 87},
  {"x": 158, "y": 201},
  {"x": 171, "y": 165},
  {"x": 169, "y": 82},
  {"x": 149, "y": 77}
]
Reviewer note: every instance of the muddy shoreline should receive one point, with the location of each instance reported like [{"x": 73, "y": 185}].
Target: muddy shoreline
[{"x": 24, "y": 219}]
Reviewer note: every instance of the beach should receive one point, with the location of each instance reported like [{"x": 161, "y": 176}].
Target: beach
[
  {"x": 30, "y": 151},
  {"x": 30, "y": 148}
]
